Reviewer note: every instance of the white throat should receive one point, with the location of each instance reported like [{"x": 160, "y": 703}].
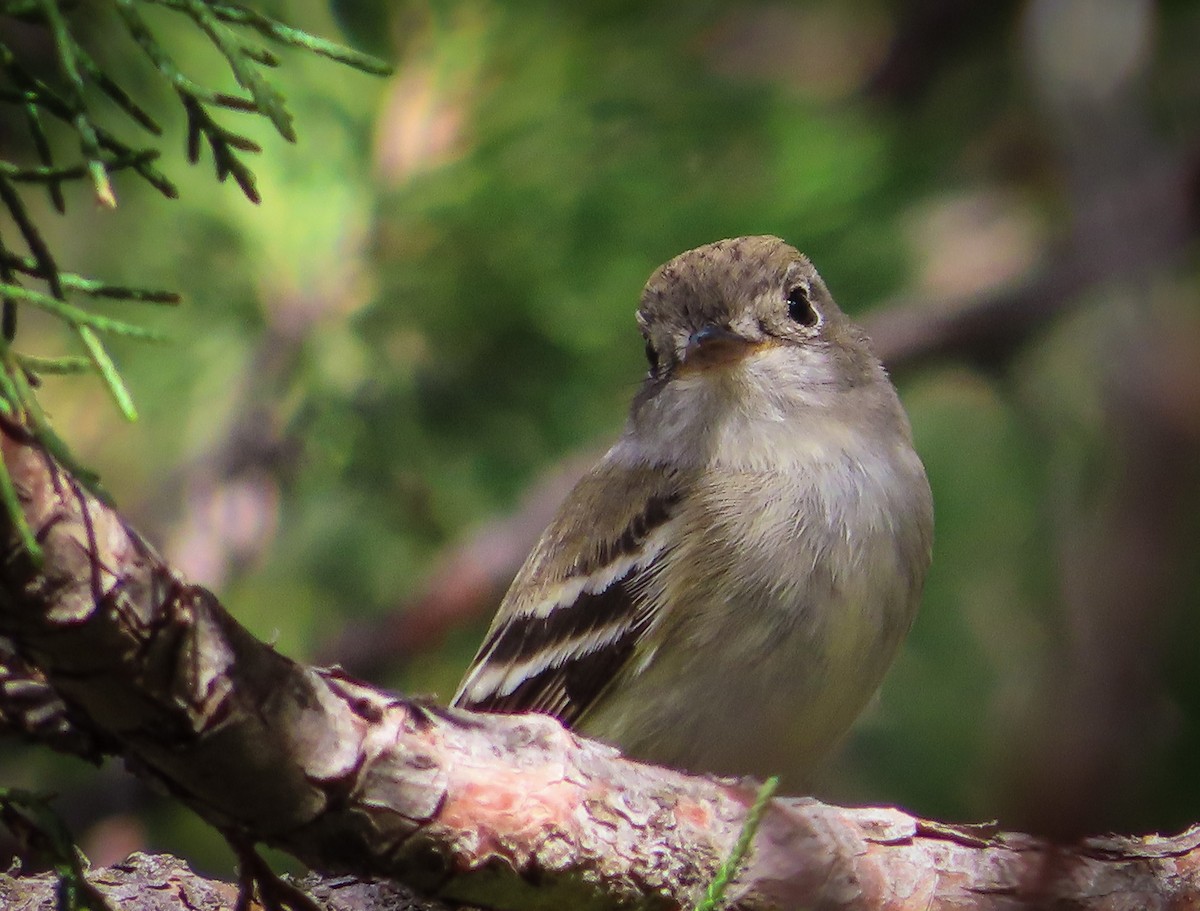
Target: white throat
[{"x": 771, "y": 411}]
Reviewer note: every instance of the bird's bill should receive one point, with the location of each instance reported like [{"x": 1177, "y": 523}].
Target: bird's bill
[{"x": 716, "y": 346}]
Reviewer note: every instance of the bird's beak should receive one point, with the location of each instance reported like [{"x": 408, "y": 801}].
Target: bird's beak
[{"x": 713, "y": 346}]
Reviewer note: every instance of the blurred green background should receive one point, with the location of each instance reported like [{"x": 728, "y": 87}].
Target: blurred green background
[{"x": 381, "y": 375}]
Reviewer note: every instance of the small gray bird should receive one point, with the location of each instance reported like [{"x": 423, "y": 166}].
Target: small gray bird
[{"x": 724, "y": 591}]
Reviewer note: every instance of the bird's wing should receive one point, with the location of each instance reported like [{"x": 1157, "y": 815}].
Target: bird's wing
[{"x": 583, "y": 602}]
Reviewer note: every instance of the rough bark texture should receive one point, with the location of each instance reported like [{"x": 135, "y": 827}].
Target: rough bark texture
[
  {"x": 507, "y": 812},
  {"x": 142, "y": 883}
]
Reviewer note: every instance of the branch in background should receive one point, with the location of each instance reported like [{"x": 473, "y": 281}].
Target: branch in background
[
  {"x": 988, "y": 330},
  {"x": 465, "y": 585},
  {"x": 985, "y": 331},
  {"x": 930, "y": 35}
]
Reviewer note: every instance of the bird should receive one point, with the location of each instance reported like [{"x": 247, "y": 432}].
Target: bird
[{"x": 723, "y": 592}]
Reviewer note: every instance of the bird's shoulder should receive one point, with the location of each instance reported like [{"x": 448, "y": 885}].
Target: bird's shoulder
[
  {"x": 607, "y": 520},
  {"x": 574, "y": 615}
]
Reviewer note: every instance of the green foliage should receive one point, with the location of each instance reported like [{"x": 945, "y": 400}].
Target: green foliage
[{"x": 72, "y": 96}]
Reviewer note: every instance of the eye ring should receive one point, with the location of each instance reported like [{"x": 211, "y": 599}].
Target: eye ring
[
  {"x": 800, "y": 307},
  {"x": 651, "y": 356}
]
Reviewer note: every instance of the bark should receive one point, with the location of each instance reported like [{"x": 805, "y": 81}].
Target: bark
[
  {"x": 142, "y": 883},
  {"x": 504, "y": 811}
]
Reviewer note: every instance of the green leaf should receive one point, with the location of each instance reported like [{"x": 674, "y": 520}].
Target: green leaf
[
  {"x": 32, "y": 363},
  {"x": 77, "y": 316},
  {"x": 108, "y": 370}
]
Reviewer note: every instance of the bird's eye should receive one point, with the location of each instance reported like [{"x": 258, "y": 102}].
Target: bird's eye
[
  {"x": 651, "y": 357},
  {"x": 800, "y": 308}
]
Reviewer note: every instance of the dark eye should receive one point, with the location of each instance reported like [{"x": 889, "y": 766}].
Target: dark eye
[
  {"x": 652, "y": 357},
  {"x": 800, "y": 308}
]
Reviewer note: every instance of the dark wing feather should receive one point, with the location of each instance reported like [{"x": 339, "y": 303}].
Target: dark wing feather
[
  {"x": 575, "y": 647},
  {"x": 568, "y": 688}
]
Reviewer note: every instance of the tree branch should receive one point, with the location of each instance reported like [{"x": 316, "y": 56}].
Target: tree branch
[
  {"x": 511, "y": 811},
  {"x": 32, "y": 710}
]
